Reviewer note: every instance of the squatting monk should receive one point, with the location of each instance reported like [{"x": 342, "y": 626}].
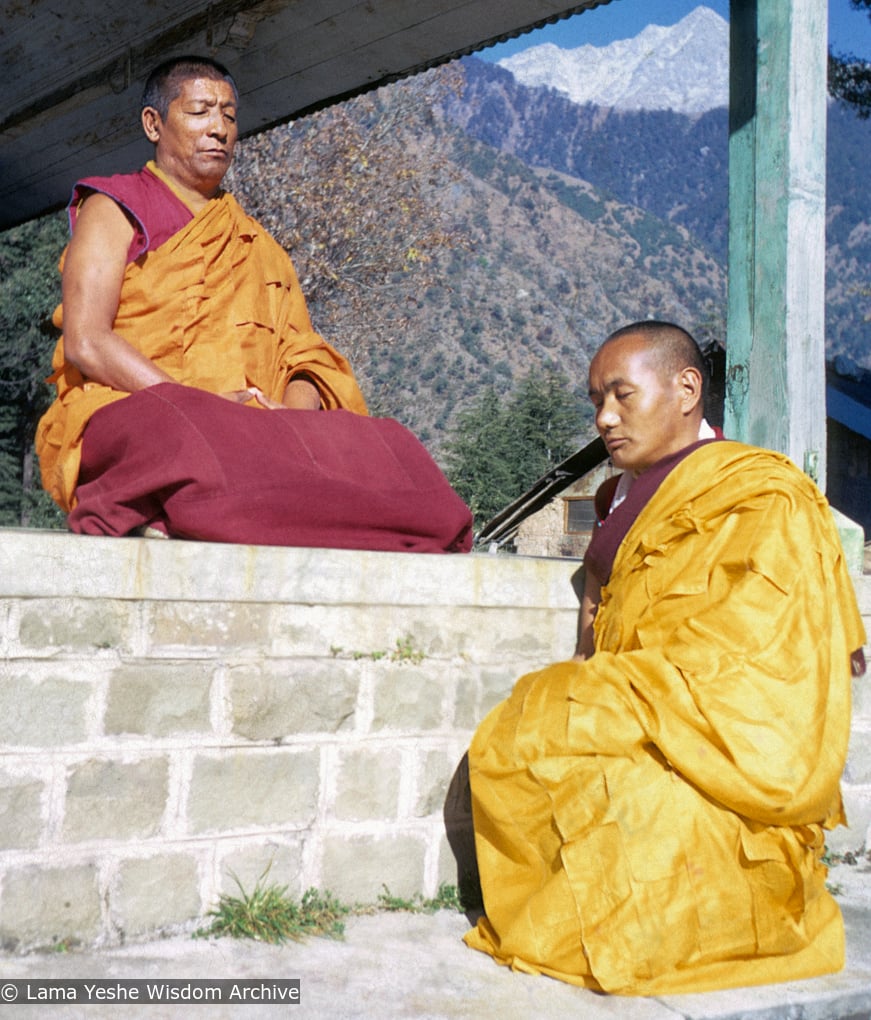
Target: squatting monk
[
  {"x": 189, "y": 378},
  {"x": 651, "y": 819}
]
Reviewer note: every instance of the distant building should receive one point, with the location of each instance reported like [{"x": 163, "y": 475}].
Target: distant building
[
  {"x": 555, "y": 517},
  {"x": 565, "y": 526}
]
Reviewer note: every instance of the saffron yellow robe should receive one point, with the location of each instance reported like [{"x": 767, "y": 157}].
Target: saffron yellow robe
[
  {"x": 651, "y": 820},
  {"x": 218, "y": 306}
]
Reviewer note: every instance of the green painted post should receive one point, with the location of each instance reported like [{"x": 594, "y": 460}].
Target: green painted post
[{"x": 775, "y": 358}]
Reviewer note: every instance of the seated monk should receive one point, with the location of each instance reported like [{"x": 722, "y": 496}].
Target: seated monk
[
  {"x": 190, "y": 383},
  {"x": 651, "y": 819}
]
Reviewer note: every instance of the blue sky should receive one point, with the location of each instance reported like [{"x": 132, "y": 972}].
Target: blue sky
[{"x": 849, "y": 30}]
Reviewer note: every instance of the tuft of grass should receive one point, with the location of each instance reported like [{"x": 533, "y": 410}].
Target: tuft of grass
[
  {"x": 268, "y": 914},
  {"x": 447, "y": 898},
  {"x": 405, "y": 651}
]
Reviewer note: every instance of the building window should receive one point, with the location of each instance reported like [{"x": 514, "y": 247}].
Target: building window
[{"x": 580, "y": 515}]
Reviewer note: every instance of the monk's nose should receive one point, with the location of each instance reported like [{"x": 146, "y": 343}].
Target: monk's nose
[{"x": 606, "y": 419}]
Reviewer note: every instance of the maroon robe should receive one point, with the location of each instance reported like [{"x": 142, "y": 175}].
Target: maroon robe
[{"x": 195, "y": 465}]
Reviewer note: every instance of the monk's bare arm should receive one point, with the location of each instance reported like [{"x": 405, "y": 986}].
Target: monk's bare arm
[
  {"x": 94, "y": 268},
  {"x": 589, "y": 594}
]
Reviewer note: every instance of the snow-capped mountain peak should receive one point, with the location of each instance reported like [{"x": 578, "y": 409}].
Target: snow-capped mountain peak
[{"x": 684, "y": 67}]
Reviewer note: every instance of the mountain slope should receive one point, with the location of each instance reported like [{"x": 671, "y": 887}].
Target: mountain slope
[
  {"x": 676, "y": 168},
  {"x": 672, "y": 165},
  {"x": 553, "y": 265}
]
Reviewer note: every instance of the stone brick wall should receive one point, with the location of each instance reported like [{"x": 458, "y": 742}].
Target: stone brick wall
[{"x": 176, "y": 714}]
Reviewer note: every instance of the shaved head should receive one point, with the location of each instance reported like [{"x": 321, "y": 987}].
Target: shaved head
[
  {"x": 646, "y": 385},
  {"x": 165, "y": 81},
  {"x": 672, "y": 347}
]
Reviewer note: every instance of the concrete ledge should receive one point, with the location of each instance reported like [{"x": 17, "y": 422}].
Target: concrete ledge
[{"x": 49, "y": 564}]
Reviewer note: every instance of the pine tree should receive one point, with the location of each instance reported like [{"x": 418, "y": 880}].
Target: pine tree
[
  {"x": 479, "y": 456},
  {"x": 849, "y": 76},
  {"x": 499, "y": 447},
  {"x": 31, "y": 288},
  {"x": 546, "y": 417}
]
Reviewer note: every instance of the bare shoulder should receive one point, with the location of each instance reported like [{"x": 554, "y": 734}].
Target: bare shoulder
[
  {"x": 96, "y": 258},
  {"x": 102, "y": 224}
]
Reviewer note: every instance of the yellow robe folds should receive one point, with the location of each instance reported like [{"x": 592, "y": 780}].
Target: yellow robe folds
[
  {"x": 217, "y": 306},
  {"x": 651, "y": 820}
]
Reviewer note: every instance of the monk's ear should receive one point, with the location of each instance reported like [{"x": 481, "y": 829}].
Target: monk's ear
[
  {"x": 151, "y": 124},
  {"x": 689, "y": 382}
]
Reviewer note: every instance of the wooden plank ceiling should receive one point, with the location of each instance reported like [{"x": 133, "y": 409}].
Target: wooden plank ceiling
[{"x": 72, "y": 70}]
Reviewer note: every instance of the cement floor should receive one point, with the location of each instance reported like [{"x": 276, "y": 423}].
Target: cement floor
[{"x": 393, "y": 965}]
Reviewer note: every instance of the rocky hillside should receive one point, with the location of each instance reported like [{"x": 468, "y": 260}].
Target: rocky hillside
[
  {"x": 581, "y": 219},
  {"x": 552, "y": 265},
  {"x": 552, "y": 262},
  {"x": 676, "y": 168}
]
